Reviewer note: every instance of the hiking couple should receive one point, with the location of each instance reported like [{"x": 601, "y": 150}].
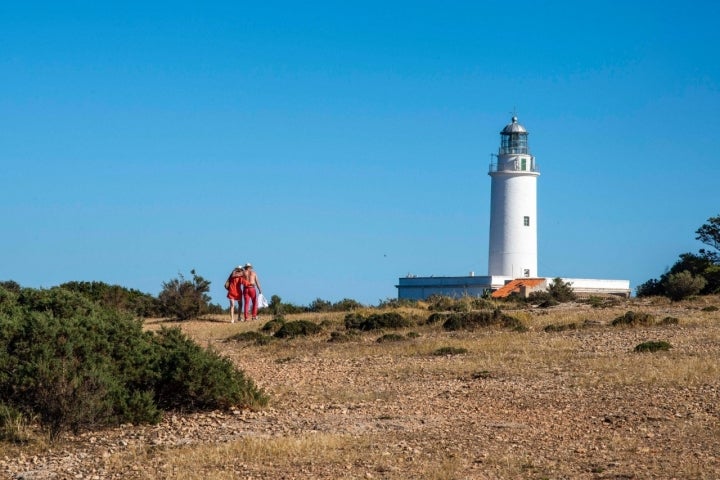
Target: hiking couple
[{"x": 243, "y": 284}]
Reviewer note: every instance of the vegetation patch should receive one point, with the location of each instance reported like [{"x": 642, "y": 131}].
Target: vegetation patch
[
  {"x": 273, "y": 325},
  {"x": 342, "y": 337},
  {"x": 711, "y": 308},
  {"x": 73, "y": 364},
  {"x": 653, "y": 346},
  {"x": 596, "y": 301},
  {"x": 560, "y": 327},
  {"x": 441, "y": 303},
  {"x": 669, "y": 321},
  {"x": 14, "y": 425},
  {"x": 376, "y": 321},
  {"x": 474, "y": 320},
  {"x": 251, "y": 336},
  {"x": 634, "y": 319},
  {"x": 436, "y": 318},
  {"x": 298, "y": 328},
  {"x": 390, "y": 337},
  {"x": 450, "y": 351}
]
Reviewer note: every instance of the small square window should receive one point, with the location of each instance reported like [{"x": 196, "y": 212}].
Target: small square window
[{"x": 526, "y": 221}]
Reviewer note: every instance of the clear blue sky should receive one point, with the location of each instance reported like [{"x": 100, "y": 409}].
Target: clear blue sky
[{"x": 341, "y": 145}]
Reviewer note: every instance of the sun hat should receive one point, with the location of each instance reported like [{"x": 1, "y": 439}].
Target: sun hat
[{"x": 248, "y": 265}]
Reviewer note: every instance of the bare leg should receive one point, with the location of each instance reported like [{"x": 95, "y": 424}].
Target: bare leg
[{"x": 232, "y": 311}]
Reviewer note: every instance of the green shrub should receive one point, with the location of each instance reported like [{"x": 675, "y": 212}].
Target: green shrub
[
  {"x": 376, "y": 321},
  {"x": 440, "y": 303},
  {"x": 711, "y": 308},
  {"x": 56, "y": 301},
  {"x": 75, "y": 365},
  {"x": 390, "y": 337},
  {"x": 298, "y": 328},
  {"x": 561, "y": 291},
  {"x": 474, "y": 320},
  {"x": 397, "y": 303},
  {"x": 560, "y": 327},
  {"x": 273, "y": 325},
  {"x": 184, "y": 299},
  {"x": 117, "y": 297},
  {"x": 11, "y": 286},
  {"x": 450, "y": 351},
  {"x": 319, "y": 305},
  {"x": 251, "y": 336},
  {"x": 601, "y": 302},
  {"x": 436, "y": 317},
  {"x": 653, "y": 346},
  {"x": 339, "y": 337},
  {"x": 634, "y": 318},
  {"x": 277, "y": 307},
  {"x": 683, "y": 284},
  {"x": 193, "y": 378},
  {"x": 669, "y": 321},
  {"x": 346, "y": 305}
]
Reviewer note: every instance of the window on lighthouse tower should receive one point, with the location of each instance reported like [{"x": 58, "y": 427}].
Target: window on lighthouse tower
[{"x": 526, "y": 221}]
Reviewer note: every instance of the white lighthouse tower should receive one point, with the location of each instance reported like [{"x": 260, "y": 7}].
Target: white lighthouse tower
[{"x": 513, "y": 206}]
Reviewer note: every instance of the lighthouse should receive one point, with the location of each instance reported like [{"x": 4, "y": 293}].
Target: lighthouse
[
  {"x": 513, "y": 206},
  {"x": 512, "y": 263}
]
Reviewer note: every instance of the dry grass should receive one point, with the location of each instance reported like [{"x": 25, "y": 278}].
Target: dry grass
[{"x": 231, "y": 459}]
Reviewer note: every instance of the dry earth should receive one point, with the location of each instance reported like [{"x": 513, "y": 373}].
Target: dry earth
[{"x": 573, "y": 404}]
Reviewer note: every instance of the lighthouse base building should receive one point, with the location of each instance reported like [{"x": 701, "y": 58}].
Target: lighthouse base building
[
  {"x": 512, "y": 260},
  {"x": 414, "y": 287}
]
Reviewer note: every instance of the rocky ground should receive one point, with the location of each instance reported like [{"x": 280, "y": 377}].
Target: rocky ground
[{"x": 573, "y": 404}]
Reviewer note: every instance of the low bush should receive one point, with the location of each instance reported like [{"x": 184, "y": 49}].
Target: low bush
[
  {"x": 376, "y": 321},
  {"x": 298, "y": 328},
  {"x": 273, "y": 325},
  {"x": 183, "y": 299},
  {"x": 74, "y": 365},
  {"x": 390, "y": 337},
  {"x": 252, "y": 336},
  {"x": 117, "y": 297},
  {"x": 653, "y": 346},
  {"x": 669, "y": 321},
  {"x": 436, "y": 318},
  {"x": 339, "y": 337},
  {"x": 193, "y": 378},
  {"x": 474, "y": 320},
  {"x": 681, "y": 285},
  {"x": 711, "y": 308},
  {"x": 631, "y": 318},
  {"x": 560, "y": 327},
  {"x": 397, "y": 303},
  {"x": 440, "y": 303},
  {"x": 450, "y": 351},
  {"x": 600, "y": 302}
]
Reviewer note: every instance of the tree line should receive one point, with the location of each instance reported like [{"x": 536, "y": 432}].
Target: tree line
[{"x": 693, "y": 273}]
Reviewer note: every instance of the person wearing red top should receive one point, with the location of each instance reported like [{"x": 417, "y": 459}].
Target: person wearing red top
[
  {"x": 234, "y": 291},
  {"x": 251, "y": 287}
]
